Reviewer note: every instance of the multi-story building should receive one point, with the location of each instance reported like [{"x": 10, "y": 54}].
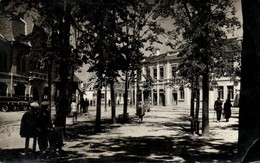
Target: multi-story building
[
  {"x": 20, "y": 75},
  {"x": 167, "y": 89}
]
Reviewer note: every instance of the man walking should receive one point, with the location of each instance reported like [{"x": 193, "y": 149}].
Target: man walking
[{"x": 218, "y": 108}]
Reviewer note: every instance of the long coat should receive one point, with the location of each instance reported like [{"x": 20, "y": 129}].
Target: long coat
[
  {"x": 29, "y": 124},
  {"x": 227, "y": 109}
]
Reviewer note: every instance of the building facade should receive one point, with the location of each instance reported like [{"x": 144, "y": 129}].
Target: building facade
[{"x": 168, "y": 89}]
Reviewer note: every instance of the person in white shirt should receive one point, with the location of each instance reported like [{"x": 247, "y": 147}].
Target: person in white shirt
[{"x": 74, "y": 110}]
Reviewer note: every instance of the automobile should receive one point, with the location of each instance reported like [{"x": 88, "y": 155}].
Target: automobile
[
  {"x": 13, "y": 104},
  {"x": 24, "y": 102}
]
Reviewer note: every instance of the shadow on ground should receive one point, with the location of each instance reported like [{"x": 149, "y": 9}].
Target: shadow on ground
[{"x": 185, "y": 147}]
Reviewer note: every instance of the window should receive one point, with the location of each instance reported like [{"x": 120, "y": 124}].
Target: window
[
  {"x": 181, "y": 92},
  {"x": 155, "y": 73},
  {"x": 23, "y": 64},
  {"x": 3, "y": 60},
  {"x": 220, "y": 92},
  {"x": 161, "y": 73},
  {"x": 148, "y": 71},
  {"x": 18, "y": 63},
  {"x": 230, "y": 92},
  {"x": 174, "y": 70}
]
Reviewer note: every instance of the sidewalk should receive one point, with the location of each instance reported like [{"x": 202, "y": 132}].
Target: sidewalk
[{"x": 162, "y": 137}]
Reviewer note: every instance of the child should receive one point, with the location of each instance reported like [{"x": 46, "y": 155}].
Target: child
[{"x": 74, "y": 110}]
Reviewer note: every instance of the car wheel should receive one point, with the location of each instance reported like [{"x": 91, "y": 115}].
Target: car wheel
[
  {"x": 5, "y": 108},
  {"x": 15, "y": 108},
  {"x": 25, "y": 108}
]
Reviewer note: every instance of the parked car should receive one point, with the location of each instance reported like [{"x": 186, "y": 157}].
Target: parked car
[{"x": 13, "y": 104}]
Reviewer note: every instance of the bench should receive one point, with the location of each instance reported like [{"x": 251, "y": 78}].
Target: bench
[{"x": 195, "y": 125}]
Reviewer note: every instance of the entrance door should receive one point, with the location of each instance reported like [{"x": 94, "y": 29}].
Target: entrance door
[
  {"x": 19, "y": 90},
  {"x": 3, "y": 88},
  {"x": 35, "y": 94}
]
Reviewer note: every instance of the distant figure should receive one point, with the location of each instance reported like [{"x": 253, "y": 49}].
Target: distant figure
[
  {"x": 140, "y": 111},
  {"x": 118, "y": 102},
  {"x": 45, "y": 128},
  {"x": 109, "y": 102},
  {"x": 74, "y": 110},
  {"x": 90, "y": 102},
  {"x": 218, "y": 108},
  {"x": 82, "y": 106},
  {"x": 227, "y": 109},
  {"x": 86, "y": 105}
]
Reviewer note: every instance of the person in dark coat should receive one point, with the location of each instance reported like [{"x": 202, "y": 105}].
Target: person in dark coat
[
  {"x": 227, "y": 109},
  {"x": 29, "y": 126},
  {"x": 87, "y": 104},
  {"x": 218, "y": 108},
  {"x": 140, "y": 111},
  {"x": 82, "y": 106},
  {"x": 45, "y": 128}
]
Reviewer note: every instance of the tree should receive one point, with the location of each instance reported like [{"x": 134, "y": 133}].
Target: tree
[
  {"x": 203, "y": 26},
  {"x": 141, "y": 21},
  {"x": 56, "y": 18},
  {"x": 249, "y": 122}
]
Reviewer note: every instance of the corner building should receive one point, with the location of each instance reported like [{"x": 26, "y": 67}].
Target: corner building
[{"x": 168, "y": 89}]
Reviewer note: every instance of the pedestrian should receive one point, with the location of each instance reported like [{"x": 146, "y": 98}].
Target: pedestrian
[
  {"x": 227, "y": 109},
  {"x": 86, "y": 104},
  {"x": 82, "y": 106},
  {"x": 140, "y": 111},
  {"x": 109, "y": 102},
  {"x": 29, "y": 127},
  {"x": 56, "y": 139},
  {"x": 74, "y": 110},
  {"x": 45, "y": 128},
  {"x": 218, "y": 108}
]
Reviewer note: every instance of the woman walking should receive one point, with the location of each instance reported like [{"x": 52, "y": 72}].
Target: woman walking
[{"x": 227, "y": 109}]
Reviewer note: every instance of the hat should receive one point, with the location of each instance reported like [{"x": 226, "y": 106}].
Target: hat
[
  {"x": 35, "y": 105},
  {"x": 45, "y": 103}
]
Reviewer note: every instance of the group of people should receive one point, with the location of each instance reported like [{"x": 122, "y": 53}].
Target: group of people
[
  {"x": 37, "y": 123},
  {"x": 227, "y": 109}
]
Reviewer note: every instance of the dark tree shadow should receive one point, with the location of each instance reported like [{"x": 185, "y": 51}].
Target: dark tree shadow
[{"x": 183, "y": 145}]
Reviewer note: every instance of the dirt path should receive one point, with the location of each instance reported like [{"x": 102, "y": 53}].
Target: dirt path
[{"x": 163, "y": 137}]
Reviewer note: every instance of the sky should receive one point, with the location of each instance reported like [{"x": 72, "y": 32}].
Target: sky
[
  {"x": 167, "y": 24},
  {"x": 82, "y": 74}
]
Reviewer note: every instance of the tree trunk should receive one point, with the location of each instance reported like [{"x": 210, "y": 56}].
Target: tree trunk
[
  {"x": 137, "y": 89},
  {"x": 249, "y": 111},
  {"x": 64, "y": 69},
  {"x": 98, "y": 112},
  {"x": 125, "y": 97},
  {"x": 205, "y": 106},
  {"x": 50, "y": 63},
  {"x": 192, "y": 100},
  {"x": 197, "y": 103},
  {"x": 113, "y": 102},
  {"x": 192, "y": 107}
]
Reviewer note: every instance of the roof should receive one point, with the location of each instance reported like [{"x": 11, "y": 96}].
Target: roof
[{"x": 162, "y": 57}]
